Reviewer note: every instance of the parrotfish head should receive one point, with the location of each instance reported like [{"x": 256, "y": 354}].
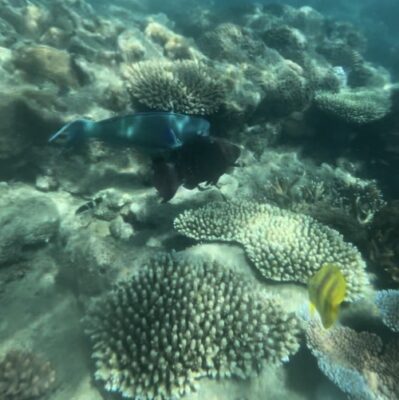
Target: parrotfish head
[{"x": 73, "y": 133}]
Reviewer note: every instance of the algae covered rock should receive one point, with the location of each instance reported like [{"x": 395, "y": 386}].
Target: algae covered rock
[
  {"x": 27, "y": 220},
  {"x": 181, "y": 319},
  {"x": 23, "y": 122},
  {"x": 12, "y": 139},
  {"x": 49, "y": 63}
]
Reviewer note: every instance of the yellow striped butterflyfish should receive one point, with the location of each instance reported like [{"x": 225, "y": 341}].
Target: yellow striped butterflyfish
[{"x": 327, "y": 288}]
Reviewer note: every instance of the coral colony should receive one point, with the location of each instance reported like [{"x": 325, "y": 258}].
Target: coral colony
[{"x": 179, "y": 183}]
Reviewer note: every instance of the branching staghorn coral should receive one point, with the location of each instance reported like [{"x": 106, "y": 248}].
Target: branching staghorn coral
[
  {"x": 188, "y": 87},
  {"x": 25, "y": 376},
  {"x": 179, "y": 320},
  {"x": 355, "y": 106},
  {"x": 282, "y": 245},
  {"x": 387, "y": 302},
  {"x": 357, "y": 362}
]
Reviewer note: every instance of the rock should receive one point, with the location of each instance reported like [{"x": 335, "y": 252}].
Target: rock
[
  {"x": 22, "y": 124},
  {"x": 26, "y": 220},
  {"x": 48, "y": 63},
  {"x": 120, "y": 229}
]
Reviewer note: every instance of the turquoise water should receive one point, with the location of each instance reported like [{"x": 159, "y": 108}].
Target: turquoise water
[{"x": 207, "y": 160}]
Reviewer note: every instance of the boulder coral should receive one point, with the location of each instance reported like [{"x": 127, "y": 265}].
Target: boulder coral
[
  {"x": 180, "y": 319},
  {"x": 282, "y": 245}
]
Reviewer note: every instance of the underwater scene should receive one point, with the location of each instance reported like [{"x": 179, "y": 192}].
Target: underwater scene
[{"x": 199, "y": 200}]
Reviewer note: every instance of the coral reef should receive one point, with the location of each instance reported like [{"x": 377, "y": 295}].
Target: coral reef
[
  {"x": 315, "y": 116},
  {"x": 289, "y": 42},
  {"x": 181, "y": 86},
  {"x": 282, "y": 245},
  {"x": 354, "y": 107},
  {"x": 387, "y": 302},
  {"x": 179, "y": 320},
  {"x": 357, "y": 362},
  {"x": 287, "y": 89},
  {"x": 25, "y": 376},
  {"x": 231, "y": 42},
  {"x": 323, "y": 192}
]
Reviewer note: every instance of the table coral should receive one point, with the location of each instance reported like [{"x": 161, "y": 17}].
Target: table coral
[
  {"x": 355, "y": 106},
  {"x": 283, "y": 246},
  {"x": 356, "y": 362},
  {"x": 181, "y": 319}
]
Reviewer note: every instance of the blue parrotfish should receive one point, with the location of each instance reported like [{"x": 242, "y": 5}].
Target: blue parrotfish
[
  {"x": 151, "y": 132},
  {"x": 327, "y": 289}
]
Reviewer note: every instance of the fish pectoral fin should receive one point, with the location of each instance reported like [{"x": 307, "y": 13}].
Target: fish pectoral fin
[{"x": 172, "y": 139}]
